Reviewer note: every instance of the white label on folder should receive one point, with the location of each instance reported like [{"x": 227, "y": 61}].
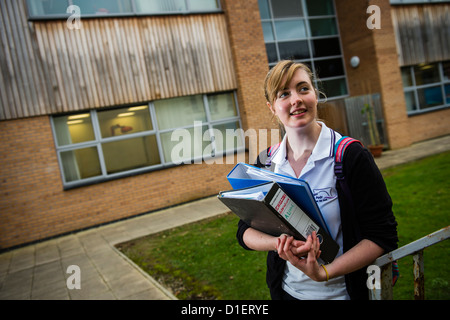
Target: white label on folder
[{"x": 293, "y": 214}]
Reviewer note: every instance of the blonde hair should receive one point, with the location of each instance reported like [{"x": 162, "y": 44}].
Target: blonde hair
[{"x": 285, "y": 68}]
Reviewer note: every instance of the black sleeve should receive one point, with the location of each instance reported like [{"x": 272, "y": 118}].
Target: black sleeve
[
  {"x": 372, "y": 202},
  {"x": 242, "y": 226}
]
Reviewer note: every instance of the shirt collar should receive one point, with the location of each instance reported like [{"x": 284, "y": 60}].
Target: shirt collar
[
  {"x": 323, "y": 148},
  {"x": 281, "y": 153}
]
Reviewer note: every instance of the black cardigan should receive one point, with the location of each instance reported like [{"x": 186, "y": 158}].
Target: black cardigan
[{"x": 374, "y": 218}]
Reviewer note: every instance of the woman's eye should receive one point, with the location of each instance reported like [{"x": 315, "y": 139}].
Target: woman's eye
[
  {"x": 304, "y": 89},
  {"x": 283, "y": 94}
]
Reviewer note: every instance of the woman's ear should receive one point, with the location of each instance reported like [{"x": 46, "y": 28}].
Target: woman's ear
[{"x": 270, "y": 107}]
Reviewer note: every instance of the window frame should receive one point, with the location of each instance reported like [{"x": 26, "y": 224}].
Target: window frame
[
  {"x": 407, "y": 2},
  {"x": 134, "y": 12},
  {"x": 414, "y": 89},
  {"x": 99, "y": 140},
  {"x": 310, "y": 40}
]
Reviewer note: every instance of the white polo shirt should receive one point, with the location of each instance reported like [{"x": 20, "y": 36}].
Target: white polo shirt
[{"x": 319, "y": 173}]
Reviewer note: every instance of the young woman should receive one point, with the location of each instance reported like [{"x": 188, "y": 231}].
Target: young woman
[{"x": 364, "y": 229}]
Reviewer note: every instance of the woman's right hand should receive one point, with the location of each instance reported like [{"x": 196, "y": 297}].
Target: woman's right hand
[{"x": 297, "y": 247}]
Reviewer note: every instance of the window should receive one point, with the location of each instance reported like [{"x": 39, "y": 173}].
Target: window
[
  {"x": 175, "y": 6},
  {"x": 417, "y": 1},
  {"x": 99, "y": 7},
  {"x": 58, "y": 8},
  {"x": 426, "y": 86},
  {"x": 104, "y": 144},
  {"x": 305, "y": 31}
]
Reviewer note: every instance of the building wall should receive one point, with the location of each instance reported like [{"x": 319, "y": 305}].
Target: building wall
[
  {"x": 357, "y": 40},
  {"x": 423, "y": 36},
  {"x": 33, "y": 205},
  {"x": 379, "y": 71},
  {"x": 422, "y": 32},
  {"x": 250, "y": 59},
  {"x": 392, "y": 97},
  {"x": 429, "y": 125},
  {"x": 108, "y": 61}
]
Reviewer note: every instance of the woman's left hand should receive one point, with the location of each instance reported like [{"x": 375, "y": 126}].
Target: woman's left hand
[{"x": 307, "y": 264}]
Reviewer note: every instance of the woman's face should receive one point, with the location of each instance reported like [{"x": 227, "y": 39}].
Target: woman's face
[{"x": 296, "y": 105}]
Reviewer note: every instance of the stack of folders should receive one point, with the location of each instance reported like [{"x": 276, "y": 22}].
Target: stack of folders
[{"x": 277, "y": 204}]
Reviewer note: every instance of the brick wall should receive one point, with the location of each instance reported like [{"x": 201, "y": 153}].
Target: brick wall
[
  {"x": 357, "y": 40},
  {"x": 250, "y": 58},
  {"x": 33, "y": 205},
  {"x": 392, "y": 96},
  {"x": 429, "y": 125},
  {"x": 379, "y": 70}
]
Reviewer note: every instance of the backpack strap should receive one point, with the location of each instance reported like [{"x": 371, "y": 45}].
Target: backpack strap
[
  {"x": 339, "y": 149},
  {"x": 271, "y": 151},
  {"x": 341, "y": 145}
]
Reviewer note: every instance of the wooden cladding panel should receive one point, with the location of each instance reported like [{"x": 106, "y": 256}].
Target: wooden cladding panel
[
  {"x": 422, "y": 33},
  {"x": 21, "y": 77},
  {"x": 47, "y": 68},
  {"x": 118, "y": 61}
]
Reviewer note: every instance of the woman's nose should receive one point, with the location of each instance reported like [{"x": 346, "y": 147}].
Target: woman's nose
[{"x": 295, "y": 98}]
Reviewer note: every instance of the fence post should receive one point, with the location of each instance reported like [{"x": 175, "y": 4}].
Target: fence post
[
  {"x": 414, "y": 248},
  {"x": 419, "y": 276},
  {"x": 386, "y": 282},
  {"x": 385, "y": 291}
]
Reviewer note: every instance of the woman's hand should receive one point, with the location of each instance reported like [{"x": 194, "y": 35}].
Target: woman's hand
[
  {"x": 297, "y": 247},
  {"x": 302, "y": 255}
]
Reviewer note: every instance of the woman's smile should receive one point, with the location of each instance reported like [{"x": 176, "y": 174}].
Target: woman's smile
[{"x": 298, "y": 112}]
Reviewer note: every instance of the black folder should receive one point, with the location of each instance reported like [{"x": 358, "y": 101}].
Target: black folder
[{"x": 267, "y": 208}]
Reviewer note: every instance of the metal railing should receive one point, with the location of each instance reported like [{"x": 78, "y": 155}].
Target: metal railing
[{"x": 384, "y": 292}]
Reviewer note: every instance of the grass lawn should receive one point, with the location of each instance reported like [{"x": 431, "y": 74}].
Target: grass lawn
[
  {"x": 421, "y": 194},
  {"x": 203, "y": 260}
]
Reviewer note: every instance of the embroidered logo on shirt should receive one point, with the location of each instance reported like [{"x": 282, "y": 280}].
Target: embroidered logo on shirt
[{"x": 324, "y": 194}]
